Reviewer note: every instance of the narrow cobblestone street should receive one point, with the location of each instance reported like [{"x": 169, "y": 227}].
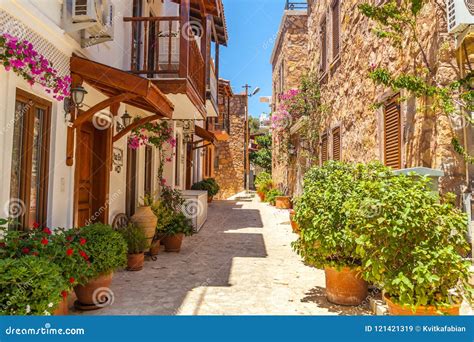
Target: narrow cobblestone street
[{"x": 241, "y": 262}]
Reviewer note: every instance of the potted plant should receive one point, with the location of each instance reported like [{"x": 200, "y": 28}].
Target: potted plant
[
  {"x": 294, "y": 225},
  {"x": 326, "y": 241},
  {"x": 210, "y": 185},
  {"x": 137, "y": 243},
  {"x": 263, "y": 183},
  {"x": 106, "y": 250},
  {"x": 283, "y": 202},
  {"x": 411, "y": 243},
  {"x": 145, "y": 219},
  {"x": 29, "y": 285},
  {"x": 272, "y": 195},
  {"x": 179, "y": 227}
]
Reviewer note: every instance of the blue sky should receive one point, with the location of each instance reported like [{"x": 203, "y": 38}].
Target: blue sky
[{"x": 252, "y": 26}]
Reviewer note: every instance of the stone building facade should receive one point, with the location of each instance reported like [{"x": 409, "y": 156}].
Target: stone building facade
[
  {"x": 289, "y": 64},
  {"x": 403, "y": 132},
  {"x": 342, "y": 47},
  {"x": 229, "y": 168}
]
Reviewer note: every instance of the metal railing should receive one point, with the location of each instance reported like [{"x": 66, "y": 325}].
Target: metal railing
[{"x": 296, "y": 5}]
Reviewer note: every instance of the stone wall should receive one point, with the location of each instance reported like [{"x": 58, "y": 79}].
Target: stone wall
[
  {"x": 289, "y": 62},
  {"x": 350, "y": 95},
  {"x": 230, "y": 171}
]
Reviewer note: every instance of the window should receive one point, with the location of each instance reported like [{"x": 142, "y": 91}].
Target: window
[
  {"x": 392, "y": 133},
  {"x": 177, "y": 161},
  {"x": 336, "y": 32},
  {"x": 30, "y": 160},
  {"x": 324, "y": 53},
  {"x": 148, "y": 170},
  {"x": 336, "y": 143},
  {"x": 324, "y": 148}
]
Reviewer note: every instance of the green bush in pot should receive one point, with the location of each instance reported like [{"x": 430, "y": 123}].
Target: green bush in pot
[
  {"x": 411, "y": 241},
  {"x": 210, "y": 185},
  {"x": 271, "y": 195},
  {"x": 263, "y": 182},
  {"x": 105, "y": 249},
  {"x": 325, "y": 240},
  {"x": 29, "y": 285}
]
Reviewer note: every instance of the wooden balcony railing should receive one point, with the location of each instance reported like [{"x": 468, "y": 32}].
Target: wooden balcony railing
[{"x": 160, "y": 49}]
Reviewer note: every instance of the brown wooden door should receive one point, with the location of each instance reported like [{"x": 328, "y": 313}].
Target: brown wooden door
[{"x": 92, "y": 175}]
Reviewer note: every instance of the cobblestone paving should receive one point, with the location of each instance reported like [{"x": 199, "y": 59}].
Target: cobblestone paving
[{"x": 240, "y": 263}]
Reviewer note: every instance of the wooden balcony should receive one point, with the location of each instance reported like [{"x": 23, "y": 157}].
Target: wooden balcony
[
  {"x": 165, "y": 50},
  {"x": 212, "y": 90}
]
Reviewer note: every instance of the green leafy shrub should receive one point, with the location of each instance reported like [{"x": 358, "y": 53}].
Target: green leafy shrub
[
  {"x": 263, "y": 182},
  {"x": 29, "y": 285},
  {"x": 106, "y": 250},
  {"x": 164, "y": 212},
  {"x": 172, "y": 198},
  {"x": 135, "y": 238},
  {"x": 179, "y": 224},
  {"x": 271, "y": 196},
  {"x": 325, "y": 238},
  {"x": 210, "y": 185},
  {"x": 410, "y": 241}
]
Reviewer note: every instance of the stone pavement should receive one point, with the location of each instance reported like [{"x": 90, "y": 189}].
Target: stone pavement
[{"x": 240, "y": 263}]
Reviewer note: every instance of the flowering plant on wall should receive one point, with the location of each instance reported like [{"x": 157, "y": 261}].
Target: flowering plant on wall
[
  {"x": 21, "y": 57},
  {"x": 158, "y": 134}
]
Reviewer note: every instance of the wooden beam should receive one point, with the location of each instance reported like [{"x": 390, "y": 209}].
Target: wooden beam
[
  {"x": 134, "y": 125},
  {"x": 87, "y": 115}
]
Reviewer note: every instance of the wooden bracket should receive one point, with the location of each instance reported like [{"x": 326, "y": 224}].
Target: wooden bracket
[{"x": 136, "y": 124}]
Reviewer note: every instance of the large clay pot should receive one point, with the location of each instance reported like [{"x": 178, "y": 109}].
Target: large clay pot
[
  {"x": 173, "y": 242},
  {"x": 145, "y": 219},
  {"x": 135, "y": 262},
  {"x": 294, "y": 225},
  {"x": 63, "y": 307},
  {"x": 345, "y": 287},
  {"x": 405, "y": 310},
  {"x": 283, "y": 202},
  {"x": 261, "y": 195},
  {"x": 85, "y": 293}
]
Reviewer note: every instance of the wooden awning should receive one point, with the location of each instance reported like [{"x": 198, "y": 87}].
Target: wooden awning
[
  {"x": 114, "y": 83},
  {"x": 205, "y": 134}
]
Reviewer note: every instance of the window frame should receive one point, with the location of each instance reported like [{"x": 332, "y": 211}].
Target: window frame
[{"x": 26, "y": 154}]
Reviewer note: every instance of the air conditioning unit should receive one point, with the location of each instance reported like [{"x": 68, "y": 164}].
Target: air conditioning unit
[
  {"x": 460, "y": 15},
  {"x": 94, "y": 17}
]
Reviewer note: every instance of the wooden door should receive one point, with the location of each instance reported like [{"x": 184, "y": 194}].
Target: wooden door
[{"x": 92, "y": 175}]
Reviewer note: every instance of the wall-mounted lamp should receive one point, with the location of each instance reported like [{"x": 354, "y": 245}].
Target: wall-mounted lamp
[
  {"x": 76, "y": 99},
  {"x": 126, "y": 121}
]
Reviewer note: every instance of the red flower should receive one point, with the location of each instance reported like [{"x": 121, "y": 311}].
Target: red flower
[
  {"x": 84, "y": 255},
  {"x": 72, "y": 280},
  {"x": 2, "y": 244},
  {"x": 25, "y": 250},
  {"x": 44, "y": 241},
  {"x": 82, "y": 241},
  {"x": 35, "y": 225},
  {"x": 35, "y": 253},
  {"x": 69, "y": 251},
  {"x": 64, "y": 294},
  {"x": 69, "y": 238},
  {"x": 47, "y": 231}
]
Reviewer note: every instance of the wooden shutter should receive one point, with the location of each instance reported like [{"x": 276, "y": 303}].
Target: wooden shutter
[
  {"x": 392, "y": 134},
  {"x": 324, "y": 148},
  {"x": 336, "y": 143},
  {"x": 335, "y": 9},
  {"x": 323, "y": 46}
]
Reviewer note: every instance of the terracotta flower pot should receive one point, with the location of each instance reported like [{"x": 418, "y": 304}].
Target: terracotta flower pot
[
  {"x": 145, "y": 219},
  {"x": 405, "y": 310},
  {"x": 209, "y": 199},
  {"x": 173, "y": 242},
  {"x": 261, "y": 195},
  {"x": 155, "y": 247},
  {"x": 85, "y": 293},
  {"x": 135, "y": 262},
  {"x": 283, "y": 202},
  {"x": 294, "y": 226},
  {"x": 345, "y": 287},
  {"x": 63, "y": 307}
]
